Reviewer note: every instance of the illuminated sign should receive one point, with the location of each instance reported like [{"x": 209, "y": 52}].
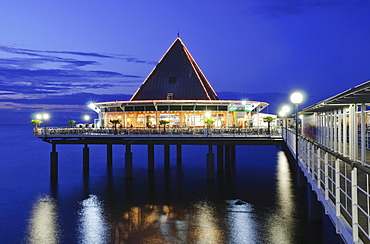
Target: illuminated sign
[{"x": 240, "y": 107}]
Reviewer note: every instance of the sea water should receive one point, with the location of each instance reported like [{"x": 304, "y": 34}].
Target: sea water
[{"x": 255, "y": 200}]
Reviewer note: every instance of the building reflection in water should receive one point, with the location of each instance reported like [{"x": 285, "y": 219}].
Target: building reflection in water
[
  {"x": 282, "y": 221},
  {"x": 153, "y": 224},
  {"x": 206, "y": 229},
  {"x": 43, "y": 225},
  {"x": 92, "y": 224}
]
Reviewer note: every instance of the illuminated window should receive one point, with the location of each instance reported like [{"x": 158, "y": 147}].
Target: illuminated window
[
  {"x": 172, "y": 80},
  {"x": 169, "y": 96}
]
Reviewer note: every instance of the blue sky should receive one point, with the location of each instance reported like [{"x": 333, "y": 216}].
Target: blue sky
[{"x": 56, "y": 56}]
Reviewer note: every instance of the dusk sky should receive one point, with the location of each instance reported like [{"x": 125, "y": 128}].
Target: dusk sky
[{"x": 56, "y": 56}]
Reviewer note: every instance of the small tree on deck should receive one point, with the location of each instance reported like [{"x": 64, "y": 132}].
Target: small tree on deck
[
  {"x": 36, "y": 122},
  {"x": 115, "y": 122},
  {"x": 71, "y": 123},
  {"x": 164, "y": 122},
  {"x": 268, "y": 119}
]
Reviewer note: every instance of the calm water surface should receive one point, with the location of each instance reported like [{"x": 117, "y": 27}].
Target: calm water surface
[{"x": 256, "y": 201}]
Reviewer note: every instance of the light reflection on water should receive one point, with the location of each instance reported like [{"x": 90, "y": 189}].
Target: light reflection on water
[
  {"x": 92, "y": 225},
  {"x": 43, "y": 224},
  {"x": 282, "y": 221},
  {"x": 233, "y": 213},
  {"x": 241, "y": 222}
]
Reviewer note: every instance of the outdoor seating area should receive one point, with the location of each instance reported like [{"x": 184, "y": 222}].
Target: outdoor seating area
[{"x": 50, "y": 131}]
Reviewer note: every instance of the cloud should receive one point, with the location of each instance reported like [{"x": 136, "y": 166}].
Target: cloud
[
  {"x": 295, "y": 7},
  {"x": 45, "y": 55},
  {"x": 35, "y": 74}
]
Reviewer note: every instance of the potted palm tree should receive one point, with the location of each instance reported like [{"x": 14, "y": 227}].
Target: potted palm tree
[
  {"x": 71, "y": 123},
  {"x": 115, "y": 122},
  {"x": 208, "y": 123},
  {"x": 268, "y": 119},
  {"x": 36, "y": 122},
  {"x": 164, "y": 122}
]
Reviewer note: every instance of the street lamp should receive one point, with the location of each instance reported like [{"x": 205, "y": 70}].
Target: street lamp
[
  {"x": 45, "y": 117},
  {"x": 296, "y": 98},
  {"x": 285, "y": 109}
]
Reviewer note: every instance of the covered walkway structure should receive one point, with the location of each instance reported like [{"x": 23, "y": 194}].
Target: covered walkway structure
[{"x": 333, "y": 151}]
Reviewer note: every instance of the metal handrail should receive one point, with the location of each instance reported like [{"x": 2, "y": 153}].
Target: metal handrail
[
  {"x": 42, "y": 131},
  {"x": 342, "y": 187}
]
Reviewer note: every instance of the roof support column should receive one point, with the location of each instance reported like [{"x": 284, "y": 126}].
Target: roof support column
[
  {"x": 356, "y": 131},
  {"x": 327, "y": 130},
  {"x": 335, "y": 117},
  {"x": 345, "y": 128},
  {"x": 363, "y": 133},
  {"x": 331, "y": 130},
  {"x": 351, "y": 131},
  {"x": 340, "y": 119}
]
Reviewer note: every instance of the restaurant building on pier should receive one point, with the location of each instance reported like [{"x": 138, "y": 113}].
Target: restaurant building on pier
[{"x": 177, "y": 93}]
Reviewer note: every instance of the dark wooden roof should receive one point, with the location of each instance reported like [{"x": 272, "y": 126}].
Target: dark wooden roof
[{"x": 176, "y": 73}]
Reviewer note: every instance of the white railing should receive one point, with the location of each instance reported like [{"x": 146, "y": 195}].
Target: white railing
[
  {"x": 203, "y": 132},
  {"x": 341, "y": 185}
]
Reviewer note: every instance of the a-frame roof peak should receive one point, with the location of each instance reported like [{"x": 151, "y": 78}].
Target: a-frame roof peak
[{"x": 176, "y": 76}]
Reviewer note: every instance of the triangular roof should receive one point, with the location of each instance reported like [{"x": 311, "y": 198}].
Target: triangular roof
[{"x": 178, "y": 74}]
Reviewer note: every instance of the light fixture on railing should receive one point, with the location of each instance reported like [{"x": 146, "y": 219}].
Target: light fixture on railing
[{"x": 296, "y": 98}]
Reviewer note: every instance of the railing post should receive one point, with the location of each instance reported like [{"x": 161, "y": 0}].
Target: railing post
[
  {"x": 354, "y": 205},
  {"x": 326, "y": 158},
  {"x": 337, "y": 195},
  {"x": 318, "y": 158}
]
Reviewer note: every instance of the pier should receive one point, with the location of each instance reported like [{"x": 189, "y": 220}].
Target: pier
[
  {"x": 331, "y": 147},
  {"x": 224, "y": 142},
  {"x": 333, "y": 154}
]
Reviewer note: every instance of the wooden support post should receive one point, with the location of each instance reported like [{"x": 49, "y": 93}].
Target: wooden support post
[
  {"x": 150, "y": 157},
  {"x": 210, "y": 164},
  {"x": 109, "y": 155},
  {"x": 86, "y": 163},
  {"x": 128, "y": 161},
  {"x": 54, "y": 162},
  {"x": 220, "y": 158},
  {"x": 179, "y": 154},
  {"x": 166, "y": 156},
  {"x": 232, "y": 153},
  {"x": 227, "y": 154}
]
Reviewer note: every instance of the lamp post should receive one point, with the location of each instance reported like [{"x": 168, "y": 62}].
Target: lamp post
[
  {"x": 282, "y": 115},
  {"x": 296, "y": 98},
  {"x": 285, "y": 109},
  {"x": 45, "y": 117}
]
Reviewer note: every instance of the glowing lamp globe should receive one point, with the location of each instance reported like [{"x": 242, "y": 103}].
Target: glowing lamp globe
[
  {"x": 285, "y": 109},
  {"x": 296, "y": 97}
]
